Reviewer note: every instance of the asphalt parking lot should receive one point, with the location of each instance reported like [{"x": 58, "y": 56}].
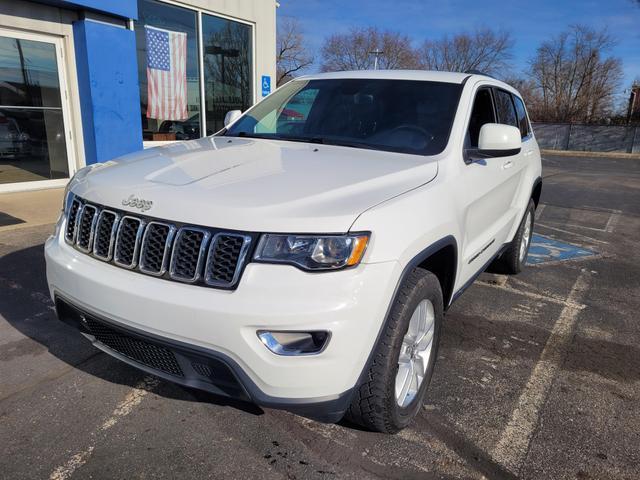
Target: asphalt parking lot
[{"x": 538, "y": 375}]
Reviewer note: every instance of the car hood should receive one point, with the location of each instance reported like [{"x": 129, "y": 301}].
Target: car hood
[{"x": 256, "y": 184}]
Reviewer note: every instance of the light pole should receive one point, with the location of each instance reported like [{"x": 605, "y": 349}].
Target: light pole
[{"x": 377, "y": 52}]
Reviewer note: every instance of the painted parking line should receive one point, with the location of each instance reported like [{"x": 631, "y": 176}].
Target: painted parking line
[
  {"x": 513, "y": 445},
  {"x": 124, "y": 408},
  {"x": 545, "y": 249}
]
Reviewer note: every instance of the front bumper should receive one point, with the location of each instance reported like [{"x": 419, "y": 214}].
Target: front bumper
[{"x": 217, "y": 328}]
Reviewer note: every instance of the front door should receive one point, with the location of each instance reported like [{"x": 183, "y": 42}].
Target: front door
[
  {"x": 487, "y": 188},
  {"x": 34, "y": 126}
]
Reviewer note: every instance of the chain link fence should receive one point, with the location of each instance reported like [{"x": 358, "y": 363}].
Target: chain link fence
[{"x": 589, "y": 138}]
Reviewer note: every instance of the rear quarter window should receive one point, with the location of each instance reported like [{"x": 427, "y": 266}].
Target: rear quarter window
[
  {"x": 506, "y": 110},
  {"x": 523, "y": 122}
]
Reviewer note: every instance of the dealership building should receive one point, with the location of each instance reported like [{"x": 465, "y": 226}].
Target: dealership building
[{"x": 86, "y": 81}]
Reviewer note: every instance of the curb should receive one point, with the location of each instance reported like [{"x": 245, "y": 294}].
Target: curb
[{"x": 581, "y": 153}]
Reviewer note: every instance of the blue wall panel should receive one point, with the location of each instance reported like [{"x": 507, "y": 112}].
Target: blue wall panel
[
  {"x": 120, "y": 8},
  {"x": 109, "y": 93}
]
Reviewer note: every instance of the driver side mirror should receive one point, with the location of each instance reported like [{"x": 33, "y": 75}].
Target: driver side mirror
[
  {"x": 498, "y": 140},
  {"x": 231, "y": 116}
]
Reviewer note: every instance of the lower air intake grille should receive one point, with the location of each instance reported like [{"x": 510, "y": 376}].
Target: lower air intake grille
[{"x": 153, "y": 356}]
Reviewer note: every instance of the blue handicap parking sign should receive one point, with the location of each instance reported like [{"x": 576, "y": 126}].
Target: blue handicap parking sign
[
  {"x": 266, "y": 85},
  {"x": 545, "y": 249}
]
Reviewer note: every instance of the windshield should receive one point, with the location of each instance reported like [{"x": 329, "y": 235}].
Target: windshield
[{"x": 393, "y": 115}]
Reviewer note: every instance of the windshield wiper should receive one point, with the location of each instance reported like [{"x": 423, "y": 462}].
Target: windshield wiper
[
  {"x": 309, "y": 139},
  {"x": 349, "y": 143}
]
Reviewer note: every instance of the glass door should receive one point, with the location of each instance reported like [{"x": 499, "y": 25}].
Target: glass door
[{"x": 33, "y": 137}]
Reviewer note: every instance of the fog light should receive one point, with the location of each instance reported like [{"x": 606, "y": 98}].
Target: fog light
[{"x": 294, "y": 343}]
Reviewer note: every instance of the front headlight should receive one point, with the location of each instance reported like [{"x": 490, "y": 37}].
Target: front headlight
[{"x": 313, "y": 252}]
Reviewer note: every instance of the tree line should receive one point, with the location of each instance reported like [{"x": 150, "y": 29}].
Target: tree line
[{"x": 572, "y": 77}]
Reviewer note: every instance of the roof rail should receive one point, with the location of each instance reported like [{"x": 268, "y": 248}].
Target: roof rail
[{"x": 478, "y": 72}]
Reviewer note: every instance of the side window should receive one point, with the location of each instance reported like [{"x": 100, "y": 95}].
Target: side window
[
  {"x": 505, "y": 108},
  {"x": 523, "y": 122},
  {"x": 482, "y": 113}
]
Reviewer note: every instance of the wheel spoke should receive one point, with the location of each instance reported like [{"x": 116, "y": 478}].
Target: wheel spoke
[
  {"x": 405, "y": 349},
  {"x": 414, "y": 353},
  {"x": 426, "y": 340},
  {"x": 414, "y": 325},
  {"x": 423, "y": 326},
  {"x": 419, "y": 365},
  {"x": 416, "y": 378},
  {"x": 403, "y": 381},
  {"x": 526, "y": 237}
]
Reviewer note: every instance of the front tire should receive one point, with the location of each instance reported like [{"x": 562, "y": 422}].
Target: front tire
[{"x": 397, "y": 379}]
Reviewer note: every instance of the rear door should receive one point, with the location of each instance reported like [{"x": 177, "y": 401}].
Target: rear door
[
  {"x": 513, "y": 168},
  {"x": 529, "y": 145}
]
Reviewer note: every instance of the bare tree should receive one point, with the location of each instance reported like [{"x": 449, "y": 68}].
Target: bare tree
[
  {"x": 574, "y": 79},
  {"x": 483, "y": 50},
  {"x": 292, "y": 55},
  {"x": 527, "y": 88},
  {"x": 352, "y": 51}
]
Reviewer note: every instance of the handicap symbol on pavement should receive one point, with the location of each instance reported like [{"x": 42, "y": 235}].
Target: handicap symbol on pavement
[{"x": 545, "y": 249}]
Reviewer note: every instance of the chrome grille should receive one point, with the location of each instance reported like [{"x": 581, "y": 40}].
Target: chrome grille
[
  {"x": 70, "y": 231},
  {"x": 104, "y": 237},
  {"x": 225, "y": 253},
  {"x": 184, "y": 253},
  {"x": 128, "y": 242},
  {"x": 86, "y": 225},
  {"x": 156, "y": 243},
  {"x": 188, "y": 252}
]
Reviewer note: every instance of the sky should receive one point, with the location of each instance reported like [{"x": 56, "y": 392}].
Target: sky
[{"x": 529, "y": 23}]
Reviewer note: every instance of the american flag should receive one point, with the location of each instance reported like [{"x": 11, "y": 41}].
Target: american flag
[{"x": 166, "y": 74}]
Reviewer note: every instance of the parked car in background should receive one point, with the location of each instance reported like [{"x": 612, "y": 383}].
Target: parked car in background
[
  {"x": 14, "y": 143},
  {"x": 304, "y": 261}
]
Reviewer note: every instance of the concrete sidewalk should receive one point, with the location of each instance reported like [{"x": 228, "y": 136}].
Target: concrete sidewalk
[{"x": 29, "y": 209}]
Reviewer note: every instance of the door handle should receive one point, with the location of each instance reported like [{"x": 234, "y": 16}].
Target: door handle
[
  {"x": 528, "y": 152},
  {"x": 507, "y": 164}
]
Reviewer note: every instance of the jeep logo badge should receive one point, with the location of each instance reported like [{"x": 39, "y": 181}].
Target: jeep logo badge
[{"x": 135, "y": 202}]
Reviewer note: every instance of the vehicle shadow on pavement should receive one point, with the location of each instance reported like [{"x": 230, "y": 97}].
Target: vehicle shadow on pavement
[{"x": 26, "y": 306}]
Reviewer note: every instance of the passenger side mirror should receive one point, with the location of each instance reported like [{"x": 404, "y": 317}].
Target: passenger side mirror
[
  {"x": 231, "y": 116},
  {"x": 497, "y": 140}
]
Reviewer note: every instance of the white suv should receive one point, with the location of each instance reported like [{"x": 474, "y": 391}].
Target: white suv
[{"x": 302, "y": 258}]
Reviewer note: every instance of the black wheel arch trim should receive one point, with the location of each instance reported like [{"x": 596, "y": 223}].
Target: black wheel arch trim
[
  {"x": 537, "y": 182},
  {"x": 448, "y": 241}
]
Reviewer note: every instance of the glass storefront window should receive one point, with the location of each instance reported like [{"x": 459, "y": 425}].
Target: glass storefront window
[
  {"x": 228, "y": 75},
  {"x": 32, "y": 135},
  {"x": 168, "y": 71}
]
